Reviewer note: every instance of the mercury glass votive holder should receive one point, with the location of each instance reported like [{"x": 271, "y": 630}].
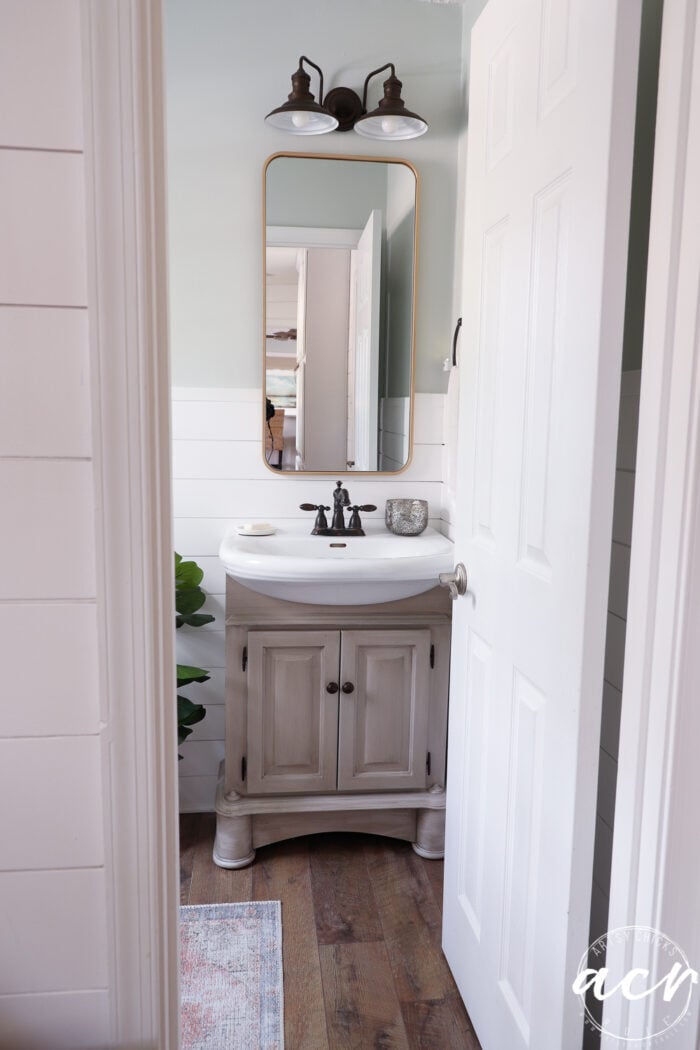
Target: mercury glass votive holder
[{"x": 406, "y": 517}]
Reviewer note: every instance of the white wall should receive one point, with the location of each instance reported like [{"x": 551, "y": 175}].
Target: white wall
[
  {"x": 54, "y": 954},
  {"x": 220, "y": 479}
]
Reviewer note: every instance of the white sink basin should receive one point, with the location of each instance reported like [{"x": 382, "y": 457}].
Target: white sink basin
[{"x": 343, "y": 570}]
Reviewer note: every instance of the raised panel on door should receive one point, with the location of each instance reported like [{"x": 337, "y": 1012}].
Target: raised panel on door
[
  {"x": 292, "y": 718},
  {"x": 383, "y": 721}
]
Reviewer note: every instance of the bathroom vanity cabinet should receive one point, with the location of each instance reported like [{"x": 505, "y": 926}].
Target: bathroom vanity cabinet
[{"x": 336, "y": 720}]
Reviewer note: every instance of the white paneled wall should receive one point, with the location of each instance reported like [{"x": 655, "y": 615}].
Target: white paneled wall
[
  {"x": 220, "y": 479},
  {"x": 615, "y": 647},
  {"x": 54, "y": 968}
]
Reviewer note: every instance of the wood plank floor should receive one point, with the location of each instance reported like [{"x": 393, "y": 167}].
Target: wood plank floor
[{"x": 361, "y": 915}]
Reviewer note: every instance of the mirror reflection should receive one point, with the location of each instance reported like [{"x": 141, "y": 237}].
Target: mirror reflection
[{"x": 340, "y": 236}]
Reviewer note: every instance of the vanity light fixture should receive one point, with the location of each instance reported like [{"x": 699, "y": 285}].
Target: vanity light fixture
[
  {"x": 342, "y": 109},
  {"x": 391, "y": 119},
  {"x": 301, "y": 114}
]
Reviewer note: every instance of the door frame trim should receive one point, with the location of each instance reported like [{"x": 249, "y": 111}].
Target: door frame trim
[
  {"x": 655, "y": 860},
  {"x": 125, "y": 171},
  {"x": 123, "y": 81}
]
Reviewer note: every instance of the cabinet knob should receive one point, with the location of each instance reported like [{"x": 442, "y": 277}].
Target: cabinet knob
[
  {"x": 332, "y": 687},
  {"x": 348, "y": 687}
]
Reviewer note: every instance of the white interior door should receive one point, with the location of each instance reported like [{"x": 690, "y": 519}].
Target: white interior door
[
  {"x": 551, "y": 112},
  {"x": 366, "y": 271},
  {"x": 300, "y": 436}
]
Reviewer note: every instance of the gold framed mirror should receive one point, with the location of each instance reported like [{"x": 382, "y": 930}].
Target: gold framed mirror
[{"x": 340, "y": 238}]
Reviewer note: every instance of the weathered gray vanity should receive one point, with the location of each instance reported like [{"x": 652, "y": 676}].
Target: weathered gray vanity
[{"x": 336, "y": 719}]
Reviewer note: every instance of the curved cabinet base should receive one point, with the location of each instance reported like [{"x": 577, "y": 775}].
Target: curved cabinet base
[{"x": 245, "y": 823}]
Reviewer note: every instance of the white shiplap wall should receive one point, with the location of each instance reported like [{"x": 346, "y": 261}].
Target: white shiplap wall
[
  {"x": 615, "y": 647},
  {"x": 220, "y": 479},
  {"x": 54, "y": 969}
]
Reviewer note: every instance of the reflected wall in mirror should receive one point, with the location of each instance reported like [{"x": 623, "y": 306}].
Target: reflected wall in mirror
[{"x": 340, "y": 270}]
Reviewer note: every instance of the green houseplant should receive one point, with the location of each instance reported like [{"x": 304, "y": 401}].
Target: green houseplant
[{"x": 189, "y": 599}]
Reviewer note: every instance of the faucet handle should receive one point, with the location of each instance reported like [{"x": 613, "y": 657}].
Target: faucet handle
[
  {"x": 321, "y": 520},
  {"x": 355, "y": 520}
]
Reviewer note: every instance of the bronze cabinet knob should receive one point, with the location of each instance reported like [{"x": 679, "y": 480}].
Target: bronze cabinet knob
[
  {"x": 348, "y": 687},
  {"x": 332, "y": 687}
]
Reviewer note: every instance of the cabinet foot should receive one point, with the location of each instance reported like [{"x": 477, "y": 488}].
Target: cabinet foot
[
  {"x": 426, "y": 853},
  {"x": 233, "y": 845},
  {"x": 430, "y": 832}
]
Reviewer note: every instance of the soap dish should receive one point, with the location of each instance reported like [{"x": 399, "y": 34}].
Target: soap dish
[{"x": 256, "y": 528}]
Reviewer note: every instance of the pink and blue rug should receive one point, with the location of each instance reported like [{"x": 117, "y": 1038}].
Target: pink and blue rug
[{"x": 231, "y": 976}]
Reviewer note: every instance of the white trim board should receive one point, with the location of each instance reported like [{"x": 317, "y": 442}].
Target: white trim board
[
  {"x": 656, "y": 852},
  {"x": 127, "y": 302},
  {"x": 311, "y": 237}
]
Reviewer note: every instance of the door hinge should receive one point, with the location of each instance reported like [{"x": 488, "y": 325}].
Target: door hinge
[
  {"x": 244, "y": 658},
  {"x": 427, "y": 763},
  {"x": 244, "y": 767},
  {"x": 432, "y": 656}
]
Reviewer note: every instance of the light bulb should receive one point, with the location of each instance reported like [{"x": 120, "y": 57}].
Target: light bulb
[
  {"x": 300, "y": 119},
  {"x": 390, "y": 125}
]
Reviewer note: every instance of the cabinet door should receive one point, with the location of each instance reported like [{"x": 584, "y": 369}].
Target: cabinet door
[
  {"x": 292, "y": 718},
  {"x": 384, "y": 716}
]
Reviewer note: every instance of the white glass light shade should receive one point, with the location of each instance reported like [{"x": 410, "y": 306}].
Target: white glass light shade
[
  {"x": 302, "y": 121},
  {"x": 391, "y": 126}
]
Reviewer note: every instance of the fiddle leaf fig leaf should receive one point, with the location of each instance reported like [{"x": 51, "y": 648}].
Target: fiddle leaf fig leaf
[
  {"x": 188, "y": 601},
  {"x": 188, "y": 714},
  {"x": 187, "y": 575},
  {"x": 186, "y": 675},
  {"x": 197, "y": 619}
]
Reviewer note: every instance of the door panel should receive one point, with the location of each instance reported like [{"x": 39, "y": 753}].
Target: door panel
[
  {"x": 292, "y": 718},
  {"x": 383, "y": 722},
  {"x": 551, "y": 111}
]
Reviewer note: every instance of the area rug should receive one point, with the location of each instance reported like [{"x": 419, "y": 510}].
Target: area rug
[{"x": 231, "y": 977}]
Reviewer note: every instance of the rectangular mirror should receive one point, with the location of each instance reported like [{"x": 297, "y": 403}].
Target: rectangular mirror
[{"x": 339, "y": 306}]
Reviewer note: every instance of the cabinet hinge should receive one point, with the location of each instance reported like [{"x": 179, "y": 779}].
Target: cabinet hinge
[
  {"x": 427, "y": 763},
  {"x": 432, "y": 656},
  {"x": 244, "y": 658},
  {"x": 244, "y": 767}
]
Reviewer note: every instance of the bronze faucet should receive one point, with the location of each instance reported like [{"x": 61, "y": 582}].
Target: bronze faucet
[{"x": 341, "y": 499}]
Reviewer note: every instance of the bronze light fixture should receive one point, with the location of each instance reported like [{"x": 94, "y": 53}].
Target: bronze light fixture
[
  {"x": 391, "y": 119},
  {"x": 342, "y": 109},
  {"x": 301, "y": 114}
]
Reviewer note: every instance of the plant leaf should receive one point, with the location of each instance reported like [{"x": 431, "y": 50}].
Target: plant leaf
[
  {"x": 188, "y": 714},
  {"x": 188, "y": 574},
  {"x": 197, "y": 619},
  {"x": 186, "y": 674},
  {"x": 188, "y": 601},
  {"x": 178, "y": 559}
]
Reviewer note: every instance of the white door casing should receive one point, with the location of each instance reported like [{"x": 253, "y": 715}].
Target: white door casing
[
  {"x": 366, "y": 272},
  {"x": 551, "y": 109},
  {"x": 656, "y": 852}
]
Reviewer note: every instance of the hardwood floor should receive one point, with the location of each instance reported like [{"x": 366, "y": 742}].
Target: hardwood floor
[{"x": 361, "y": 915}]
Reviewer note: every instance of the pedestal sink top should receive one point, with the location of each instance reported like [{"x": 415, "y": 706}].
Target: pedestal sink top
[{"x": 337, "y": 570}]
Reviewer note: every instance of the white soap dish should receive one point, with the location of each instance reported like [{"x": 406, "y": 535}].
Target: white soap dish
[{"x": 256, "y": 528}]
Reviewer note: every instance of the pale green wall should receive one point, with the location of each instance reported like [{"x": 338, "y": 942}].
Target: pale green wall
[
  {"x": 399, "y": 282},
  {"x": 228, "y": 63},
  {"x": 324, "y": 193}
]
